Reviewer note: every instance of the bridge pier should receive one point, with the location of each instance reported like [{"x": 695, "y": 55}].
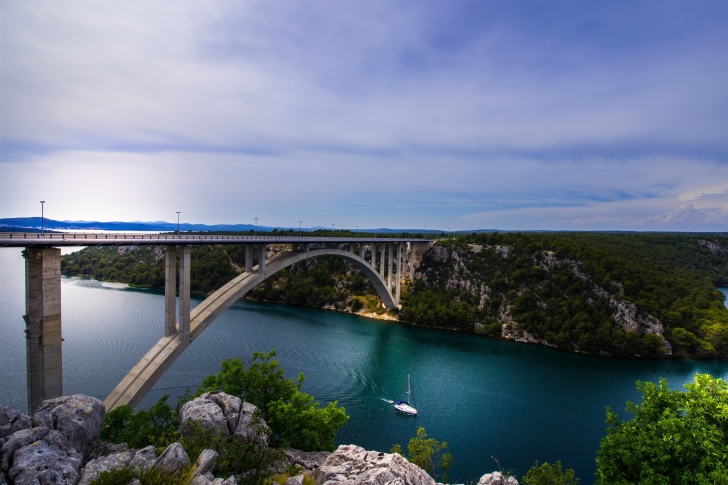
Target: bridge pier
[
  {"x": 374, "y": 257},
  {"x": 43, "y": 324},
  {"x": 389, "y": 272},
  {"x": 361, "y": 250},
  {"x": 398, "y": 281},
  {"x": 261, "y": 259},
  {"x": 248, "y": 258},
  {"x": 170, "y": 290},
  {"x": 381, "y": 260},
  {"x": 184, "y": 292}
]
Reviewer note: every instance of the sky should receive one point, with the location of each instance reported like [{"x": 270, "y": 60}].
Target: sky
[{"x": 449, "y": 114}]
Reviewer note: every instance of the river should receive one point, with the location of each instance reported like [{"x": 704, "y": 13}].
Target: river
[{"x": 488, "y": 399}]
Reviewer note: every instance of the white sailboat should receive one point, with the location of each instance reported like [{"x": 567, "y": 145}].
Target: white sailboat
[{"x": 405, "y": 407}]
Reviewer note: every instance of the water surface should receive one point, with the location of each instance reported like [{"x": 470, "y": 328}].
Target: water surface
[{"x": 488, "y": 399}]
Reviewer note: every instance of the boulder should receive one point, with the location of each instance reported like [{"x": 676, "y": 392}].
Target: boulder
[
  {"x": 79, "y": 418},
  {"x": 95, "y": 467},
  {"x": 204, "y": 415},
  {"x": 496, "y": 478},
  {"x": 206, "y": 462},
  {"x": 307, "y": 460},
  {"x": 39, "y": 456},
  {"x": 251, "y": 427},
  {"x": 351, "y": 464},
  {"x": 172, "y": 459},
  {"x": 12, "y": 421},
  {"x": 144, "y": 458},
  {"x": 297, "y": 480},
  {"x": 223, "y": 415}
]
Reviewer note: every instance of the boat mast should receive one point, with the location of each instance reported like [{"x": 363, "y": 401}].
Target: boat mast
[{"x": 408, "y": 387}]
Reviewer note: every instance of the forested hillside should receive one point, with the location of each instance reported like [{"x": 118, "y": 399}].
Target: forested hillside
[{"x": 646, "y": 295}]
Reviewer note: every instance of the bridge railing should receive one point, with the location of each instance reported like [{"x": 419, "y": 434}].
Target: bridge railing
[{"x": 65, "y": 236}]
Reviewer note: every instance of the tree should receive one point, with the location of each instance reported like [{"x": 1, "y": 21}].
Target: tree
[
  {"x": 294, "y": 418},
  {"x": 427, "y": 454},
  {"x": 548, "y": 474},
  {"x": 674, "y": 437}
]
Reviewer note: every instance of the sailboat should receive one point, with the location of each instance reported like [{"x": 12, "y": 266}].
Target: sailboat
[{"x": 404, "y": 407}]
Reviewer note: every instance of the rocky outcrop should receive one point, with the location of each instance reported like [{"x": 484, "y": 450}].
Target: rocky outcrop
[
  {"x": 143, "y": 458},
  {"x": 222, "y": 415},
  {"x": 79, "y": 418},
  {"x": 351, "y": 464},
  {"x": 306, "y": 460},
  {"x": 496, "y": 478},
  {"x": 40, "y": 456},
  {"x": 12, "y": 421}
]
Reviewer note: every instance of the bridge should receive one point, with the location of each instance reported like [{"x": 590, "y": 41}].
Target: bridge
[{"x": 384, "y": 262}]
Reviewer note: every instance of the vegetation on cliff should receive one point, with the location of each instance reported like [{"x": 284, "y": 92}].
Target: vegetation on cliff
[{"x": 646, "y": 295}]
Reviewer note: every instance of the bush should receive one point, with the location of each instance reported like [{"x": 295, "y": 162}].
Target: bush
[
  {"x": 295, "y": 419},
  {"x": 158, "y": 425},
  {"x": 674, "y": 437},
  {"x": 548, "y": 474},
  {"x": 427, "y": 454},
  {"x": 147, "y": 476}
]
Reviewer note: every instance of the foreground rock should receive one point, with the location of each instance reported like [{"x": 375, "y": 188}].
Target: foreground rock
[
  {"x": 79, "y": 418},
  {"x": 223, "y": 415},
  {"x": 351, "y": 464},
  {"x": 12, "y": 421},
  {"x": 39, "y": 456},
  {"x": 496, "y": 478}
]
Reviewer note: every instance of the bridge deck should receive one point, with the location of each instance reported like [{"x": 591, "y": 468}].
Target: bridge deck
[{"x": 21, "y": 239}]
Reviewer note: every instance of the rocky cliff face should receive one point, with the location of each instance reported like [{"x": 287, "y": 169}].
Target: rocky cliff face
[{"x": 530, "y": 296}]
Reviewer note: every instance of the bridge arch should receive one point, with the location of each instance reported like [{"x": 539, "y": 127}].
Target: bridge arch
[{"x": 145, "y": 374}]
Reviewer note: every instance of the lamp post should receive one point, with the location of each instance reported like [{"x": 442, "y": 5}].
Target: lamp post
[
  {"x": 42, "y": 219},
  {"x": 178, "y": 223},
  {"x": 299, "y": 228},
  {"x": 255, "y": 231}
]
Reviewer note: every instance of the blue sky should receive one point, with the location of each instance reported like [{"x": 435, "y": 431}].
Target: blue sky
[{"x": 451, "y": 114}]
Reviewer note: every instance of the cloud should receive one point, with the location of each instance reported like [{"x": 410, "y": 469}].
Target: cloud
[{"x": 382, "y": 112}]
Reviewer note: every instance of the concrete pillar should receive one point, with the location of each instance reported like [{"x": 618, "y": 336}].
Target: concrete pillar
[
  {"x": 389, "y": 267},
  {"x": 261, "y": 259},
  {"x": 361, "y": 250},
  {"x": 351, "y": 248},
  {"x": 381, "y": 260},
  {"x": 170, "y": 291},
  {"x": 184, "y": 292},
  {"x": 411, "y": 262},
  {"x": 374, "y": 257},
  {"x": 248, "y": 258},
  {"x": 43, "y": 325},
  {"x": 398, "y": 282}
]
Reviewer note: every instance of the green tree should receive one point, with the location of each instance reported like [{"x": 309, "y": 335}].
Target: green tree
[
  {"x": 427, "y": 453},
  {"x": 674, "y": 437},
  {"x": 294, "y": 418},
  {"x": 158, "y": 425},
  {"x": 548, "y": 474}
]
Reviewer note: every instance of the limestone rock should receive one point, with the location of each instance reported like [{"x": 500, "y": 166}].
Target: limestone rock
[
  {"x": 223, "y": 415},
  {"x": 206, "y": 462},
  {"x": 79, "y": 418},
  {"x": 297, "y": 480},
  {"x": 172, "y": 459},
  {"x": 250, "y": 427},
  {"x": 205, "y": 415},
  {"x": 95, "y": 467},
  {"x": 144, "y": 458},
  {"x": 12, "y": 421},
  {"x": 3, "y": 480},
  {"x": 40, "y": 457},
  {"x": 496, "y": 478},
  {"x": 307, "y": 460},
  {"x": 351, "y": 464}
]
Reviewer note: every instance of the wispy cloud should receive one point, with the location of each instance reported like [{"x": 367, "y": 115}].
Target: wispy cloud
[{"x": 567, "y": 115}]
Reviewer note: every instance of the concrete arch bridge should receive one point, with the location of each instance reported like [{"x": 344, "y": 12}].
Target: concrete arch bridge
[{"x": 396, "y": 258}]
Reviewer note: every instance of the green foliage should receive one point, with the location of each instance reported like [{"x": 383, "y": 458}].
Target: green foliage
[
  {"x": 146, "y": 476},
  {"x": 158, "y": 425},
  {"x": 249, "y": 462},
  {"x": 563, "y": 288},
  {"x": 294, "y": 418},
  {"x": 674, "y": 437},
  {"x": 548, "y": 474},
  {"x": 427, "y": 453}
]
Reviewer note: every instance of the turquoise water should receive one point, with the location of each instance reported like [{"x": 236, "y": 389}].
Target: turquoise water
[{"x": 488, "y": 399}]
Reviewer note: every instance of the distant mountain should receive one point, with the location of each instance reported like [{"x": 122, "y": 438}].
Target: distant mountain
[{"x": 50, "y": 224}]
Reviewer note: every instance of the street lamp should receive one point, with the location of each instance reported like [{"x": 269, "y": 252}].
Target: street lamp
[
  {"x": 178, "y": 223},
  {"x": 42, "y": 220},
  {"x": 255, "y": 231},
  {"x": 299, "y": 228},
  {"x": 333, "y": 227}
]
